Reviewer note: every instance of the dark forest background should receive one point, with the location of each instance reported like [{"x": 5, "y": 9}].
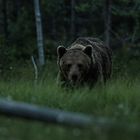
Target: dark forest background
[{"x": 116, "y": 22}]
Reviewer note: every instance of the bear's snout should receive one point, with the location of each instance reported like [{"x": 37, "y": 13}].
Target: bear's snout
[{"x": 74, "y": 77}]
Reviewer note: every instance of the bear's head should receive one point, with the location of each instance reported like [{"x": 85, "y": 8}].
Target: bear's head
[{"x": 74, "y": 64}]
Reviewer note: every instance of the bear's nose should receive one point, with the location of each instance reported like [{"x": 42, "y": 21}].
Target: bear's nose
[{"x": 74, "y": 77}]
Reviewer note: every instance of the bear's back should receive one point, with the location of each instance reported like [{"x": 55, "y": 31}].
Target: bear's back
[{"x": 98, "y": 45}]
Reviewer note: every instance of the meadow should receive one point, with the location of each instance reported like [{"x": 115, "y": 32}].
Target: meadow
[{"x": 119, "y": 100}]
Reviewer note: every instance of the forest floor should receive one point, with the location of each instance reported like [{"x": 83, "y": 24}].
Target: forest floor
[{"x": 118, "y": 100}]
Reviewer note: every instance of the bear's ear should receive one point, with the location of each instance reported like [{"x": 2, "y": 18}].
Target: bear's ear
[
  {"x": 61, "y": 50},
  {"x": 88, "y": 50}
]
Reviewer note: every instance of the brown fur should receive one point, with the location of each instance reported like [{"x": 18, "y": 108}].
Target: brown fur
[{"x": 87, "y": 60}]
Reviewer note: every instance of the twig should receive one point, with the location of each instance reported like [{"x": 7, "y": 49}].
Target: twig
[
  {"x": 35, "y": 69},
  {"x": 33, "y": 112},
  {"x": 59, "y": 117}
]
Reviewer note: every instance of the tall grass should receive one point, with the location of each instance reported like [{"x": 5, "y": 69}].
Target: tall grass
[{"x": 119, "y": 100}]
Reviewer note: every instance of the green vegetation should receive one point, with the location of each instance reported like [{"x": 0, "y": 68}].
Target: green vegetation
[
  {"x": 118, "y": 100},
  {"x": 63, "y": 21}
]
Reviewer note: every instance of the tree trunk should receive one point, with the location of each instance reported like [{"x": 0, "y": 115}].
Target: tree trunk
[
  {"x": 53, "y": 27},
  {"x": 17, "y": 7},
  {"x": 39, "y": 33},
  {"x": 5, "y": 21},
  {"x": 72, "y": 29},
  {"x": 107, "y": 20}
]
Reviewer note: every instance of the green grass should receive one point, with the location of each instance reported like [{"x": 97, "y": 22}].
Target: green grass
[{"x": 118, "y": 100}]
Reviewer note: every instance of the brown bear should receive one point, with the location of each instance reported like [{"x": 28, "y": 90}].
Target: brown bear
[{"x": 85, "y": 61}]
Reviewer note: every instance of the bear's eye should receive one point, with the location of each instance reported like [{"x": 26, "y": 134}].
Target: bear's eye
[
  {"x": 68, "y": 65},
  {"x": 79, "y": 66}
]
